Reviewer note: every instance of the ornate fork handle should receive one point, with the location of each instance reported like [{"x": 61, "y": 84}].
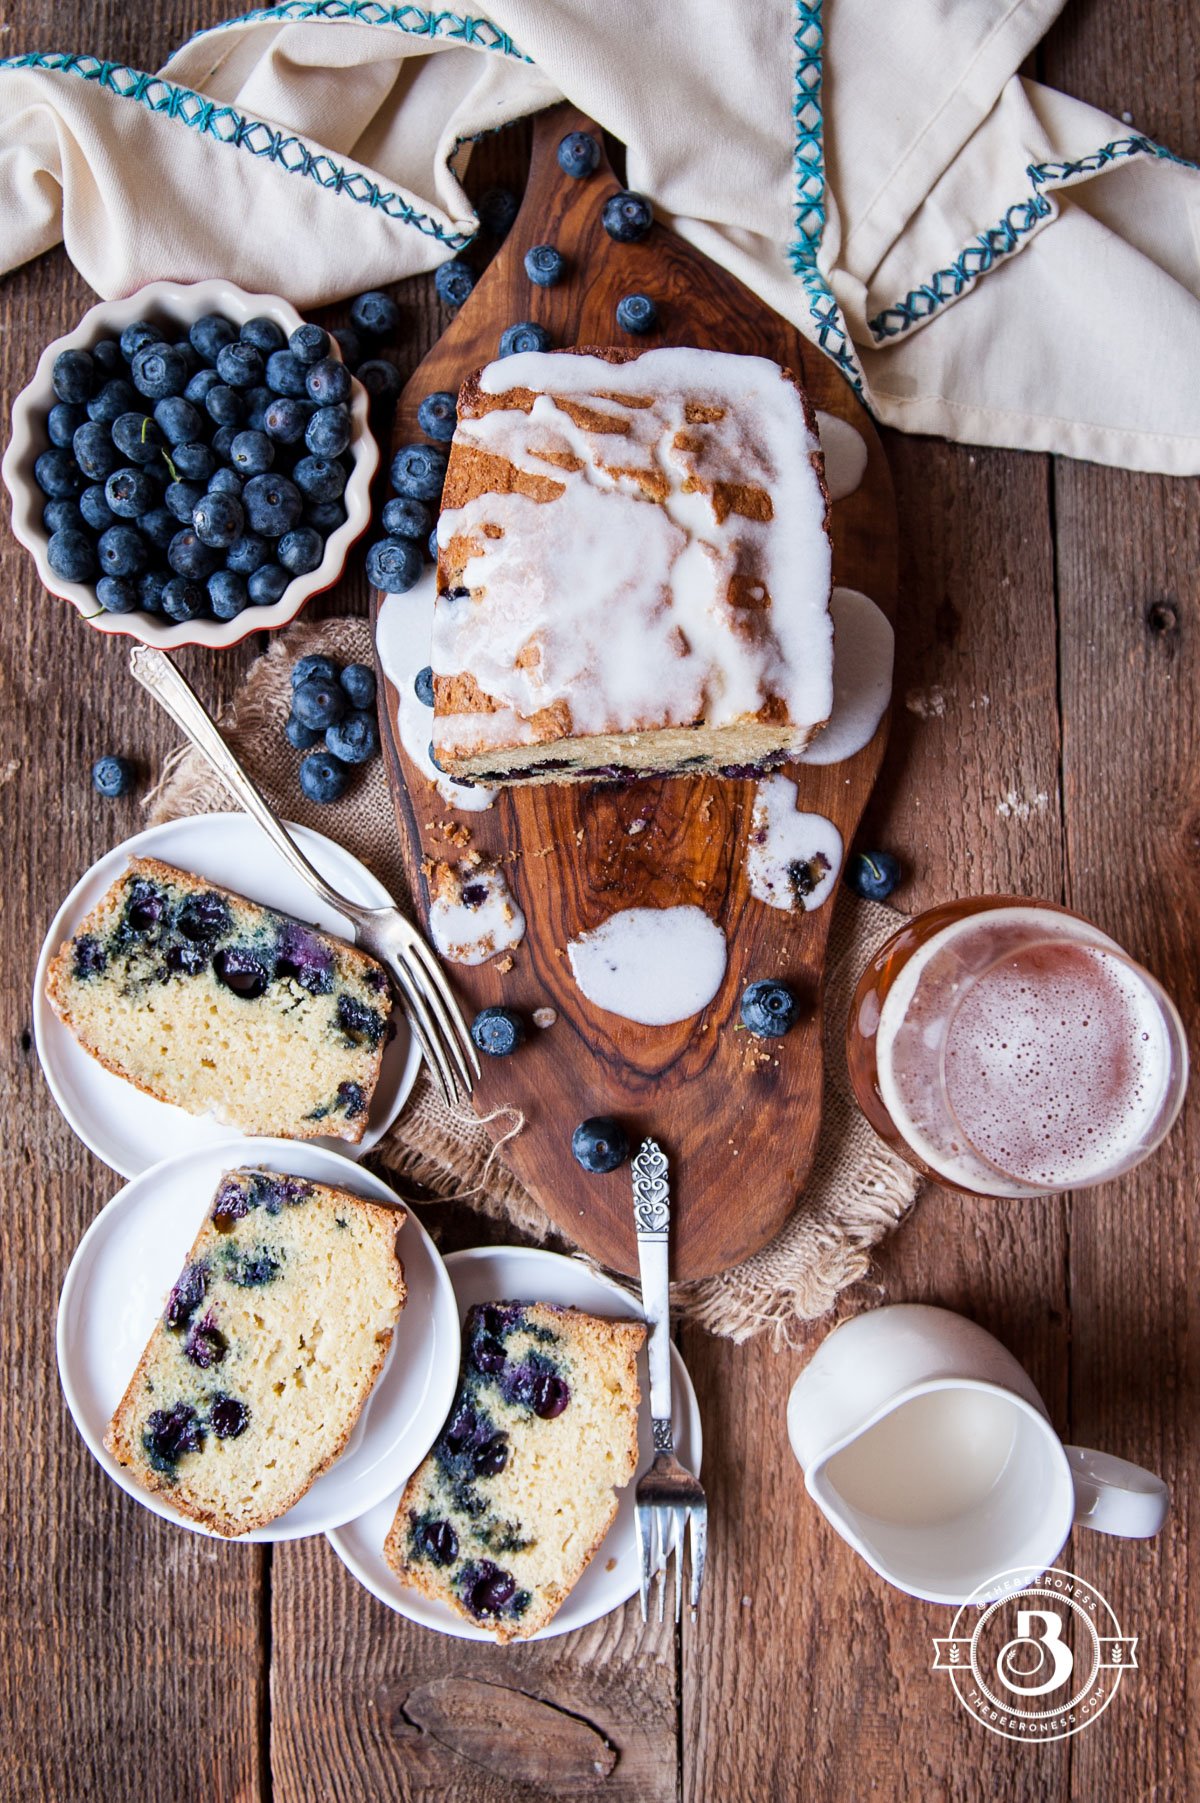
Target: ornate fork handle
[{"x": 652, "y": 1218}]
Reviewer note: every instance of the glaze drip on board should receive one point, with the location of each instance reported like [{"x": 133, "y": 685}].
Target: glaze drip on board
[
  {"x": 403, "y": 629},
  {"x": 792, "y": 858},
  {"x": 845, "y": 451},
  {"x": 655, "y": 966},
  {"x": 863, "y": 654},
  {"x": 472, "y": 914}
]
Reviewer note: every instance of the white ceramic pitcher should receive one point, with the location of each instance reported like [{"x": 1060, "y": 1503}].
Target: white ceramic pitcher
[{"x": 928, "y": 1448}]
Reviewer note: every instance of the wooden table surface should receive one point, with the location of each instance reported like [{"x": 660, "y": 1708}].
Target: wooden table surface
[{"x": 1045, "y": 741}]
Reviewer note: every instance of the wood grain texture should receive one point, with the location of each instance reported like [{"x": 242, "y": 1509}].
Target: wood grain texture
[{"x": 700, "y": 1086}]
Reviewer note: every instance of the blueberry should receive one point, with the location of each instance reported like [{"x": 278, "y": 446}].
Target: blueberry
[
  {"x": 136, "y": 335},
  {"x": 62, "y": 423},
  {"x": 375, "y": 315},
  {"x": 319, "y": 701},
  {"x": 308, "y": 344},
  {"x": 314, "y": 666},
  {"x": 497, "y": 210},
  {"x": 227, "y": 594},
  {"x": 194, "y": 461},
  {"x": 177, "y": 420},
  {"x": 74, "y": 376},
  {"x": 358, "y": 680},
  {"x": 181, "y": 500},
  {"x": 325, "y": 516},
  {"x": 107, "y": 358},
  {"x": 431, "y": 546},
  {"x": 217, "y": 519},
  {"x": 769, "y": 1009},
  {"x": 204, "y": 917},
  {"x": 873, "y": 874},
  {"x": 240, "y": 365},
  {"x": 636, "y": 313},
  {"x": 57, "y": 473},
  {"x": 117, "y": 594},
  {"x": 241, "y": 972},
  {"x": 486, "y": 1589},
  {"x": 273, "y": 504},
  {"x": 544, "y": 265},
  {"x": 222, "y": 442},
  {"x": 186, "y": 961},
  {"x": 228, "y": 1417},
  {"x": 263, "y": 334},
  {"x": 225, "y": 482},
  {"x": 351, "y": 1100},
  {"x": 268, "y": 585},
  {"x": 72, "y": 556},
  {"x": 436, "y": 1541},
  {"x": 159, "y": 370},
  {"x": 94, "y": 508},
  {"x": 285, "y": 374},
  {"x": 381, "y": 380},
  {"x": 110, "y": 402},
  {"x": 252, "y": 453},
  {"x": 354, "y": 739},
  {"x": 151, "y": 585},
  {"x": 129, "y": 492},
  {"x": 491, "y": 1457},
  {"x": 257, "y": 402},
  {"x": 285, "y": 420},
  {"x": 138, "y": 438},
  {"x": 393, "y": 565},
  {"x": 454, "y": 282},
  {"x": 205, "y": 1345},
  {"x": 199, "y": 386},
  {"x": 300, "y": 956},
  {"x": 224, "y": 404},
  {"x": 320, "y": 478},
  {"x": 301, "y": 736},
  {"x": 187, "y": 553},
  {"x": 498, "y": 1031},
  {"x": 301, "y": 550},
  {"x": 578, "y": 154},
  {"x": 541, "y": 1391},
  {"x": 209, "y": 336},
  {"x": 328, "y": 431},
  {"x": 68, "y": 516},
  {"x": 122, "y": 551},
  {"x": 627, "y": 216},
  {"x": 423, "y": 684},
  {"x": 437, "y": 416},
  {"x": 169, "y": 1434},
  {"x": 525, "y": 336},
  {"x": 94, "y": 450},
  {"x": 328, "y": 382},
  {"x": 350, "y": 345},
  {"x": 599, "y": 1145},
  {"x": 159, "y": 526},
  {"x": 112, "y": 776},
  {"x": 405, "y": 518},
  {"x": 247, "y": 554},
  {"x": 322, "y": 778},
  {"x": 183, "y": 598},
  {"x": 418, "y": 472},
  {"x": 89, "y": 957}
]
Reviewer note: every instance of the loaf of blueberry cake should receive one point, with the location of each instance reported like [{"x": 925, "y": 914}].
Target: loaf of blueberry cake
[
  {"x": 223, "y": 1007},
  {"x": 503, "y": 1516},
  {"x": 266, "y": 1352},
  {"x": 634, "y": 569}
]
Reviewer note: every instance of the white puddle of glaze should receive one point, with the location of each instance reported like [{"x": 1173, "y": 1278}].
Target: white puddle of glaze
[
  {"x": 864, "y": 648},
  {"x": 845, "y": 455},
  {"x": 468, "y": 930},
  {"x": 403, "y": 633},
  {"x": 792, "y": 859},
  {"x": 651, "y": 965}
]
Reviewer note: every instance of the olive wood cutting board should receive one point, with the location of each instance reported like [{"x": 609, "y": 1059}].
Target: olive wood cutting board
[{"x": 739, "y": 1116}]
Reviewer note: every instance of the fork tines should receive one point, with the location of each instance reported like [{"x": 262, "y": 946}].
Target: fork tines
[{"x": 661, "y": 1525}]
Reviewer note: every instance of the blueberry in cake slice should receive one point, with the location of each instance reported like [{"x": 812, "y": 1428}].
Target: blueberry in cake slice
[
  {"x": 209, "y": 1001},
  {"x": 503, "y": 1516},
  {"x": 634, "y": 569},
  {"x": 266, "y": 1352}
]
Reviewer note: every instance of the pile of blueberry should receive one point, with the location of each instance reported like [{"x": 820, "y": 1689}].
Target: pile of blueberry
[
  {"x": 333, "y": 707},
  {"x": 409, "y": 519},
  {"x": 194, "y": 478}
]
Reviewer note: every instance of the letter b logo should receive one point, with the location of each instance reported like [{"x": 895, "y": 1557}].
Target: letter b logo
[{"x": 1021, "y": 1663}]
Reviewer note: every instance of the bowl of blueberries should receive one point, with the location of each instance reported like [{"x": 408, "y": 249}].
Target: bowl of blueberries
[{"x": 191, "y": 464}]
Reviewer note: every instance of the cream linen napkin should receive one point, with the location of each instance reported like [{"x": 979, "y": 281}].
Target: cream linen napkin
[{"x": 878, "y": 173}]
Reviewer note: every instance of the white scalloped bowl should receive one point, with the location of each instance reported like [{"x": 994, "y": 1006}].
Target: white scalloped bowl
[{"x": 177, "y": 304}]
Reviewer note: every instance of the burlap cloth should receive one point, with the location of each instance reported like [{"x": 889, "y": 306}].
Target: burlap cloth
[{"x": 857, "y": 1191}]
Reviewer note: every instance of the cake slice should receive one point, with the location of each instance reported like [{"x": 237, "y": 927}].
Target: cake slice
[
  {"x": 209, "y": 1001},
  {"x": 267, "y": 1350},
  {"x": 504, "y": 1515},
  {"x": 634, "y": 569}
]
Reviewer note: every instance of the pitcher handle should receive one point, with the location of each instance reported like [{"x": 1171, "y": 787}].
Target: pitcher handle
[{"x": 1114, "y": 1496}]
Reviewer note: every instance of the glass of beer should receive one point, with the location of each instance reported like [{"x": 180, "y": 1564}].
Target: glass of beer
[{"x": 1007, "y": 1048}]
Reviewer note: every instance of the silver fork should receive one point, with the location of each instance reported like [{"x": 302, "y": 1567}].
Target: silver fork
[
  {"x": 667, "y": 1496},
  {"x": 429, "y": 1004}
]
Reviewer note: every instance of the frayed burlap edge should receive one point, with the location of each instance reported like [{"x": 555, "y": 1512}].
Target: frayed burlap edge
[{"x": 857, "y": 1191}]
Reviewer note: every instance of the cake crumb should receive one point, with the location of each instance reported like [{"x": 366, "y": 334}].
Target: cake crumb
[
  {"x": 611, "y": 1565},
  {"x": 928, "y": 703},
  {"x": 503, "y": 965},
  {"x": 456, "y": 832},
  {"x": 544, "y": 1017},
  {"x": 637, "y": 826}
]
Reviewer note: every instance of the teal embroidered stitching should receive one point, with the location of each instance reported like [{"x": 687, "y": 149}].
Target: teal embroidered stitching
[
  {"x": 230, "y": 127},
  {"x": 457, "y": 28},
  {"x": 808, "y": 166},
  {"x": 1003, "y": 238}
]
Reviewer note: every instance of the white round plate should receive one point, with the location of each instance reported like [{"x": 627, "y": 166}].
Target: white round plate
[
  {"x": 122, "y": 1273},
  {"x": 131, "y": 1131},
  {"x": 524, "y": 1274}
]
